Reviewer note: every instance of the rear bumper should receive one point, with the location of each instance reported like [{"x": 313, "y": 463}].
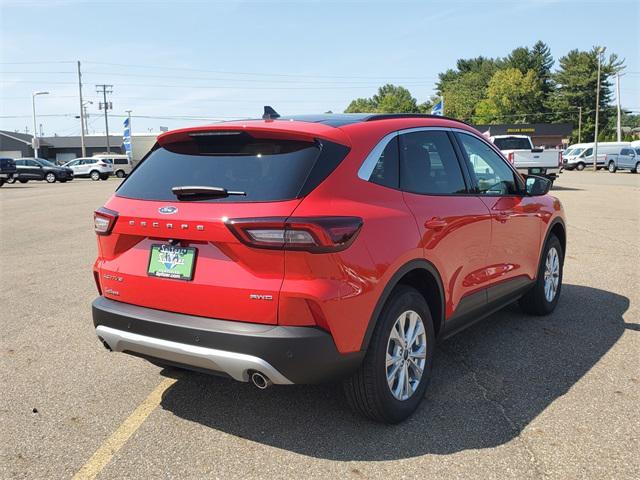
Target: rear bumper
[
  {"x": 284, "y": 354},
  {"x": 543, "y": 171}
]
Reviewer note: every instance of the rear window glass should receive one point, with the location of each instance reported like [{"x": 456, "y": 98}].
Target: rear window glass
[
  {"x": 265, "y": 169},
  {"x": 513, "y": 143}
]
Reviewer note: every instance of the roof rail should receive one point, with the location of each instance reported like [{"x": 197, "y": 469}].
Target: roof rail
[{"x": 389, "y": 116}]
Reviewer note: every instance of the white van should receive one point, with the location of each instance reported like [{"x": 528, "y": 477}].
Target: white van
[
  {"x": 585, "y": 158},
  {"x": 121, "y": 163},
  {"x": 573, "y": 151}
]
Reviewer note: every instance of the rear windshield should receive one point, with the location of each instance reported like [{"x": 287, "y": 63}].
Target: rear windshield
[
  {"x": 513, "y": 143},
  {"x": 265, "y": 169}
]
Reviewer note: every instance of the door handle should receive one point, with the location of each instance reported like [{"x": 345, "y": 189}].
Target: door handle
[
  {"x": 502, "y": 217},
  {"x": 436, "y": 223}
]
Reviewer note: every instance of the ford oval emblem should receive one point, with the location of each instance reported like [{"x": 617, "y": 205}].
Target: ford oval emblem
[{"x": 168, "y": 210}]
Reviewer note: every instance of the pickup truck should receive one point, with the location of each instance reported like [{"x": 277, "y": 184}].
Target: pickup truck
[
  {"x": 527, "y": 159},
  {"x": 7, "y": 169}
]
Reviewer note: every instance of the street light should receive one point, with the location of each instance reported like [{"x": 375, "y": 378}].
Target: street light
[
  {"x": 599, "y": 51},
  {"x": 36, "y": 141}
]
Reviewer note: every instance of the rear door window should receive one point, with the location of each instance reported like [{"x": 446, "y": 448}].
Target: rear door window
[
  {"x": 265, "y": 169},
  {"x": 429, "y": 165}
]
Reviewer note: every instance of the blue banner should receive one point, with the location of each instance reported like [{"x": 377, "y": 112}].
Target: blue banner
[
  {"x": 126, "y": 137},
  {"x": 438, "y": 108}
]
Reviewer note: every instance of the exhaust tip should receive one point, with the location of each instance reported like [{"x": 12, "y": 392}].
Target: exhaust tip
[{"x": 260, "y": 381}]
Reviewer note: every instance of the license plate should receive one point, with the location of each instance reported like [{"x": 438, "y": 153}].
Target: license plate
[
  {"x": 169, "y": 261},
  {"x": 536, "y": 170}
]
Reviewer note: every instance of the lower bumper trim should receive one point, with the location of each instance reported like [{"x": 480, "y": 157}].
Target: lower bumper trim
[{"x": 236, "y": 365}]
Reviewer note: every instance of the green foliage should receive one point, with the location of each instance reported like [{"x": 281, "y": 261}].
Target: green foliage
[
  {"x": 518, "y": 88},
  {"x": 389, "y": 99},
  {"x": 464, "y": 87},
  {"x": 510, "y": 92},
  {"x": 575, "y": 84}
]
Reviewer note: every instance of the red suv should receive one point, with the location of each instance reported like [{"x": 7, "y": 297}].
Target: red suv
[{"x": 314, "y": 248}]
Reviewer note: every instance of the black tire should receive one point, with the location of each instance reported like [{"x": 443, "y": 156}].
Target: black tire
[
  {"x": 580, "y": 166},
  {"x": 612, "y": 167},
  {"x": 2, "y": 181},
  {"x": 367, "y": 391},
  {"x": 535, "y": 302},
  {"x": 104, "y": 177},
  {"x": 120, "y": 174},
  {"x": 95, "y": 175},
  {"x": 22, "y": 181},
  {"x": 50, "y": 177},
  {"x": 636, "y": 169},
  {"x": 63, "y": 181}
]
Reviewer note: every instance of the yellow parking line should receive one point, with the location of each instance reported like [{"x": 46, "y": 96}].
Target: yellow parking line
[{"x": 110, "y": 447}]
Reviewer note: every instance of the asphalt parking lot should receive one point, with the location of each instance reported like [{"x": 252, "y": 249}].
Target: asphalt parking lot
[{"x": 513, "y": 396}]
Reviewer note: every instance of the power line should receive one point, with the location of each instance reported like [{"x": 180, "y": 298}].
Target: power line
[{"x": 258, "y": 74}]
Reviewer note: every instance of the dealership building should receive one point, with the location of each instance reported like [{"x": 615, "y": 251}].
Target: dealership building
[
  {"x": 548, "y": 135},
  {"x": 57, "y": 148}
]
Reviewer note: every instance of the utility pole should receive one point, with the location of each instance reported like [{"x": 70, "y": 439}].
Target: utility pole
[
  {"x": 595, "y": 139},
  {"x": 107, "y": 106},
  {"x": 619, "y": 127},
  {"x": 35, "y": 143},
  {"x": 579, "y": 124},
  {"x": 82, "y": 113}
]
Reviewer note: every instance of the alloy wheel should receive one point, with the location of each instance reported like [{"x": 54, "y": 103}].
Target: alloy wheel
[
  {"x": 50, "y": 178},
  {"x": 406, "y": 355},
  {"x": 551, "y": 274}
]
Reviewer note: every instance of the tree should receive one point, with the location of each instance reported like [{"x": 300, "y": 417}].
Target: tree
[
  {"x": 510, "y": 96},
  {"x": 575, "y": 86},
  {"x": 389, "y": 99},
  {"x": 464, "y": 87},
  {"x": 538, "y": 60}
]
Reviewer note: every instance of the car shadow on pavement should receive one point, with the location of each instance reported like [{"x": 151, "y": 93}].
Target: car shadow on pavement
[
  {"x": 490, "y": 381},
  {"x": 560, "y": 188}
]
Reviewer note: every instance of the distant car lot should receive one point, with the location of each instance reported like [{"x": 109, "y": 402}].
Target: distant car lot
[{"x": 512, "y": 397}]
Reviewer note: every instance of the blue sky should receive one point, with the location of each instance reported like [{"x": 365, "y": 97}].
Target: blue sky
[{"x": 205, "y": 60}]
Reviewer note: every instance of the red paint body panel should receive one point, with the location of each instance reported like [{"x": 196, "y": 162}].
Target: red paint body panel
[{"x": 473, "y": 242}]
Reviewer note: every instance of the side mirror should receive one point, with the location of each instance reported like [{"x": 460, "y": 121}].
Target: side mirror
[{"x": 537, "y": 186}]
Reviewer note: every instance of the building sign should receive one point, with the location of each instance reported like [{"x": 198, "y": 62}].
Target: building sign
[{"x": 521, "y": 130}]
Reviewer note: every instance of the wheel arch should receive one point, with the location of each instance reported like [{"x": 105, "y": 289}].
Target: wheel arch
[
  {"x": 424, "y": 277},
  {"x": 558, "y": 229}
]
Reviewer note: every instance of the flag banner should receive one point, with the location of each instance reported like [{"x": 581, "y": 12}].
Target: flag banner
[
  {"x": 438, "y": 109},
  {"x": 126, "y": 137}
]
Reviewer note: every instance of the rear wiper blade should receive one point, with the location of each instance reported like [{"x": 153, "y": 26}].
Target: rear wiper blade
[{"x": 192, "y": 191}]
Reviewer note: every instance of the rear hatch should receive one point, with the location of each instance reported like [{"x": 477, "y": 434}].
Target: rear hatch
[
  {"x": 7, "y": 165},
  {"x": 171, "y": 247}
]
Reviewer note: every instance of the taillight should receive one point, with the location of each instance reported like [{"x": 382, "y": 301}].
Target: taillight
[
  {"x": 312, "y": 234},
  {"x": 104, "y": 220},
  {"x": 510, "y": 157}
]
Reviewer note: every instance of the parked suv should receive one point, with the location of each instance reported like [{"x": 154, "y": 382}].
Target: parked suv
[
  {"x": 40, "y": 169},
  {"x": 121, "y": 164},
  {"x": 7, "y": 170},
  {"x": 92, "y": 167},
  {"x": 314, "y": 248}
]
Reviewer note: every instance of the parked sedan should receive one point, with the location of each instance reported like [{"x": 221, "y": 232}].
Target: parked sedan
[{"x": 40, "y": 169}]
